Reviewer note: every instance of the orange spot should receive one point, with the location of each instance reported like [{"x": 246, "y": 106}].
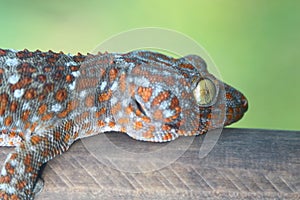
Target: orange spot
[
  {"x": 186, "y": 65},
  {"x": 84, "y": 115},
  {"x": 4, "y": 98},
  {"x": 160, "y": 97},
  {"x": 48, "y": 88},
  {"x": 86, "y": 83},
  {"x": 86, "y": 126},
  {"x": 101, "y": 123},
  {"x": 13, "y": 156},
  {"x": 63, "y": 114},
  {"x": 228, "y": 96},
  {"x": 123, "y": 121},
  {"x": 21, "y": 134},
  {"x": 76, "y": 134},
  {"x": 129, "y": 109},
  {"x": 35, "y": 139},
  {"x": 2, "y": 52},
  {"x": 27, "y": 159},
  {"x": 167, "y": 137},
  {"x": 47, "y": 69},
  {"x": 158, "y": 115},
  {"x": 145, "y": 93},
  {"x": 21, "y": 84},
  {"x": 122, "y": 83},
  {"x": 42, "y": 109},
  {"x": 3, "y": 103},
  {"x": 9, "y": 168},
  {"x": 123, "y": 130},
  {"x": 113, "y": 74},
  {"x": 20, "y": 54},
  {"x": 45, "y": 153},
  {"x": 90, "y": 100},
  {"x": 20, "y": 185},
  {"x": 41, "y": 97},
  {"x": 138, "y": 112},
  {"x": 12, "y": 134},
  {"x": 72, "y": 105},
  {"x": 149, "y": 133},
  {"x": 33, "y": 126},
  {"x": 100, "y": 112},
  {"x": 51, "y": 60},
  {"x": 47, "y": 117},
  {"x": 131, "y": 89},
  {"x": 13, "y": 106},
  {"x": 8, "y": 120},
  {"x": 105, "y": 96},
  {"x": 74, "y": 68},
  {"x": 111, "y": 124},
  {"x": 60, "y": 68},
  {"x": 30, "y": 94},
  {"x": 138, "y": 125},
  {"x": 5, "y": 179},
  {"x": 68, "y": 126},
  {"x": 116, "y": 108},
  {"x": 67, "y": 138},
  {"x": 166, "y": 127},
  {"x": 78, "y": 58},
  {"x": 25, "y": 115},
  {"x": 57, "y": 136},
  {"x": 42, "y": 78},
  {"x": 230, "y": 110},
  {"x": 174, "y": 103},
  {"x": 170, "y": 119},
  {"x": 14, "y": 197},
  {"x": 61, "y": 95},
  {"x": 69, "y": 78},
  {"x": 146, "y": 119},
  {"x": 27, "y": 125},
  {"x": 90, "y": 132}
]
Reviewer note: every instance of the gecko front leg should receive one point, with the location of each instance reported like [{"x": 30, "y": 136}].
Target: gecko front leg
[{"x": 21, "y": 168}]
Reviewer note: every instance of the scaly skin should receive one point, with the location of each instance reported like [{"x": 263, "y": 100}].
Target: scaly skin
[{"x": 48, "y": 100}]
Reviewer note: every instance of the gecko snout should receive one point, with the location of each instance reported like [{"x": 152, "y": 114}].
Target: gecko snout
[
  {"x": 244, "y": 104},
  {"x": 236, "y": 105}
]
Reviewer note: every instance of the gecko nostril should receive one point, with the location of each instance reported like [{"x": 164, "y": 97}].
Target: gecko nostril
[{"x": 244, "y": 103}]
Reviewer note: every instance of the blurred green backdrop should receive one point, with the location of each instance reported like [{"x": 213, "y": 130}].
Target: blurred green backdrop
[{"x": 255, "y": 44}]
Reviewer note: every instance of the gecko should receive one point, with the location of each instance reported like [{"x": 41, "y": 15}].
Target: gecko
[{"x": 49, "y": 100}]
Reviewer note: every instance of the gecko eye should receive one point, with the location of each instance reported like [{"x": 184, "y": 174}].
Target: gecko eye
[{"x": 205, "y": 92}]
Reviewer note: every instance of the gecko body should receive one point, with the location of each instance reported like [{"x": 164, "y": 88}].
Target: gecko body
[{"x": 49, "y": 100}]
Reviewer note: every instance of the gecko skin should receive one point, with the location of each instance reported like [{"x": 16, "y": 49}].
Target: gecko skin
[{"x": 49, "y": 100}]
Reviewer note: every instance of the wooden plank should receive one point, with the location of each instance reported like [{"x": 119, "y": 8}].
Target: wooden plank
[{"x": 243, "y": 164}]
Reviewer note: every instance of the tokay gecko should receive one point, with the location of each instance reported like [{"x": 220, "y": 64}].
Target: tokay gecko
[{"x": 49, "y": 100}]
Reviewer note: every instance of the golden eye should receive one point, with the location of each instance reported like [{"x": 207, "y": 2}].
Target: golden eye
[{"x": 205, "y": 92}]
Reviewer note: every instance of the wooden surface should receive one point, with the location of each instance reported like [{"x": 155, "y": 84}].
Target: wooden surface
[{"x": 243, "y": 164}]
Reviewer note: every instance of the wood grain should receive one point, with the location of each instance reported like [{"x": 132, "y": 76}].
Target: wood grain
[{"x": 244, "y": 164}]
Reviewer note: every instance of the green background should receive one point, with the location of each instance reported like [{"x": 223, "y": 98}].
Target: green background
[{"x": 254, "y": 43}]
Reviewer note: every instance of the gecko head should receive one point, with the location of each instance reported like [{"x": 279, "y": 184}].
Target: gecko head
[
  {"x": 163, "y": 98},
  {"x": 219, "y": 103}
]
